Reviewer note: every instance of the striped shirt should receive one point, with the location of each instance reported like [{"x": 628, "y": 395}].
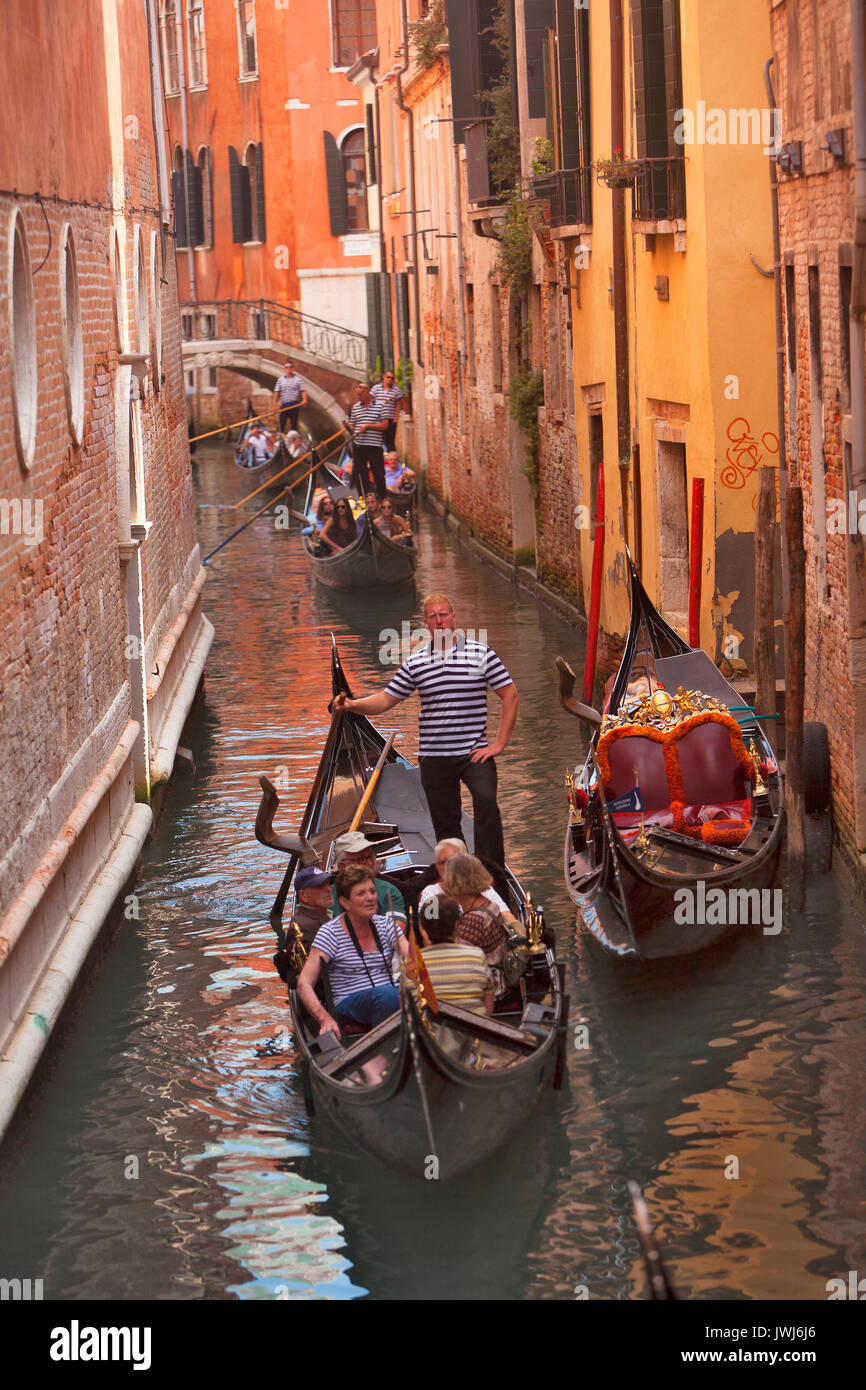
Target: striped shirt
[
  {"x": 367, "y": 414},
  {"x": 290, "y": 389},
  {"x": 459, "y": 975},
  {"x": 453, "y": 691},
  {"x": 344, "y": 964},
  {"x": 387, "y": 397}
]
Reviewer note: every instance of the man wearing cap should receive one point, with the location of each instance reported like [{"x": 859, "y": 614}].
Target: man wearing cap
[
  {"x": 312, "y": 903},
  {"x": 355, "y": 848}
]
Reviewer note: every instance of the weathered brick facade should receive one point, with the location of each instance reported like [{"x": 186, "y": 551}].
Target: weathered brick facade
[
  {"x": 103, "y": 639},
  {"x": 813, "y": 79}
]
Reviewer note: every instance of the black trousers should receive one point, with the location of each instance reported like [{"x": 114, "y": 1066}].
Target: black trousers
[
  {"x": 289, "y": 413},
  {"x": 441, "y": 778},
  {"x": 390, "y": 435},
  {"x": 369, "y": 463}
]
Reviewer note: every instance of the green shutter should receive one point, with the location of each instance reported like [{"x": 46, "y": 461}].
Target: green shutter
[
  {"x": 371, "y": 146},
  {"x": 179, "y": 200},
  {"x": 196, "y": 207},
  {"x": 336, "y": 180},
  {"x": 401, "y": 304},
  {"x": 374, "y": 319}
]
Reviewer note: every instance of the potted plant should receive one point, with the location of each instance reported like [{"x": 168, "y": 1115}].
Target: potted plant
[{"x": 618, "y": 171}]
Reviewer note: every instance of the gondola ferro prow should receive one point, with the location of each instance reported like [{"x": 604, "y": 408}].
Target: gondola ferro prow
[
  {"x": 266, "y": 835},
  {"x": 567, "y": 680}
]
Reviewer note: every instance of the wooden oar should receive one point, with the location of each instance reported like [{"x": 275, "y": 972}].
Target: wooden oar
[{"x": 371, "y": 785}]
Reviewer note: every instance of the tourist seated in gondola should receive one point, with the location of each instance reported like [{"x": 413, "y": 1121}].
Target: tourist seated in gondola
[
  {"x": 259, "y": 447},
  {"x": 466, "y": 879},
  {"x": 312, "y": 903},
  {"x": 371, "y": 502},
  {"x": 357, "y": 947},
  {"x": 353, "y": 847},
  {"x": 397, "y": 475},
  {"x": 445, "y": 850},
  {"x": 295, "y": 445},
  {"x": 458, "y": 972},
  {"x": 339, "y": 531},
  {"x": 389, "y": 523}
]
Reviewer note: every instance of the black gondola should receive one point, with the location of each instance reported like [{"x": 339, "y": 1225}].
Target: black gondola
[
  {"x": 372, "y": 559},
  {"x": 457, "y": 1084},
  {"x": 680, "y": 795},
  {"x": 273, "y": 463}
]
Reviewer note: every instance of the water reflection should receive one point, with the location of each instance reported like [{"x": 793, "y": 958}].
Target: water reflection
[{"x": 170, "y": 1155}]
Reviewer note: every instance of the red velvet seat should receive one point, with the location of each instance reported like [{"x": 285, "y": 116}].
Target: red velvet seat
[
  {"x": 624, "y": 754},
  {"x": 710, "y": 770}
]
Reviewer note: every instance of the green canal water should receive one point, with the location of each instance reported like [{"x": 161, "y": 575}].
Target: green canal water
[{"x": 168, "y": 1155}]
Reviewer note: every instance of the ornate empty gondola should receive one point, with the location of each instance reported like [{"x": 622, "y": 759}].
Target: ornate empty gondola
[
  {"x": 675, "y": 816},
  {"x": 457, "y": 1084},
  {"x": 373, "y": 559}
]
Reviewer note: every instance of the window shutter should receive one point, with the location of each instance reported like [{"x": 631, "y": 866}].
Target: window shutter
[
  {"x": 371, "y": 146},
  {"x": 235, "y": 185},
  {"x": 386, "y": 320},
  {"x": 336, "y": 187},
  {"x": 401, "y": 300},
  {"x": 179, "y": 200},
  {"x": 374, "y": 320},
  {"x": 260, "y": 193},
  {"x": 196, "y": 206}
]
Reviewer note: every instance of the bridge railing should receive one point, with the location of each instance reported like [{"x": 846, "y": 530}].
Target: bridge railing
[{"x": 264, "y": 320}]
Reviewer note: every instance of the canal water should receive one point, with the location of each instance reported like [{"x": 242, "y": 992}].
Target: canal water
[{"x": 168, "y": 1153}]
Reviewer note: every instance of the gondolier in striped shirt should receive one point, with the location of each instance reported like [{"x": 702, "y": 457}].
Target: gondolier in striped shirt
[
  {"x": 365, "y": 424},
  {"x": 289, "y": 395},
  {"x": 452, "y": 675},
  {"x": 392, "y": 400}
]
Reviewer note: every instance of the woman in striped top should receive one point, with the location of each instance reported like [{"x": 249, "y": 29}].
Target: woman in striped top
[
  {"x": 458, "y": 972},
  {"x": 357, "y": 947}
]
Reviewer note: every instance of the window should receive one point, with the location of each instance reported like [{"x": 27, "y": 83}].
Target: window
[
  {"x": 197, "y": 53},
  {"x": 355, "y": 179},
  {"x": 660, "y": 189},
  {"x": 354, "y": 30},
  {"x": 495, "y": 338},
  {"x": 170, "y": 55},
  {"x": 248, "y": 53},
  {"x": 202, "y": 197},
  {"x": 142, "y": 307},
  {"x": 73, "y": 348},
  {"x": 187, "y": 325},
  {"x": 23, "y": 341},
  {"x": 247, "y": 194}
]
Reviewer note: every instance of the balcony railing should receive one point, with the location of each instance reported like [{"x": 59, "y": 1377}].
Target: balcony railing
[
  {"x": 660, "y": 190},
  {"x": 567, "y": 193},
  {"x": 264, "y": 320}
]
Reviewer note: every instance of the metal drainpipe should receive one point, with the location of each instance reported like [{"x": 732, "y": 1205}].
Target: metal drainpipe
[
  {"x": 620, "y": 305},
  {"x": 185, "y": 135},
  {"x": 461, "y": 280},
  {"x": 155, "y": 104},
  {"x": 780, "y": 366},
  {"x": 383, "y": 250},
  {"x": 858, "y": 273},
  {"x": 401, "y": 106}
]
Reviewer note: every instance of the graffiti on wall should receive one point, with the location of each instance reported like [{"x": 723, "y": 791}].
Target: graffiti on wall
[{"x": 745, "y": 452}]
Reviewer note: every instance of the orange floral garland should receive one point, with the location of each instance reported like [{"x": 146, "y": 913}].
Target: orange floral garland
[{"x": 668, "y": 738}]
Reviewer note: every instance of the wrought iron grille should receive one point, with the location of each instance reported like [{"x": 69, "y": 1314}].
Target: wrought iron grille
[
  {"x": 660, "y": 190},
  {"x": 264, "y": 320}
]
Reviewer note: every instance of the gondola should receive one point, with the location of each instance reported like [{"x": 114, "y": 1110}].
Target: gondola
[
  {"x": 679, "y": 795},
  {"x": 372, "y": 559},
  {"x": 457, "y": 1084},
  {"x": 274, "y": 463}
]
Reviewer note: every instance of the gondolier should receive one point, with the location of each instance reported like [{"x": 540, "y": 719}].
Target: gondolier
[
  {"x": 289, "y": 395},
  {"x": 452, "y": 676},
  {"x": 365, "y": 424},
  {"x": 388, "y": 394}
]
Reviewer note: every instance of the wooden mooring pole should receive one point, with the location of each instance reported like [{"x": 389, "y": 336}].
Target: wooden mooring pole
[
  {"x": 765, "y": 633},
  {"x": 795, "y": 692}
]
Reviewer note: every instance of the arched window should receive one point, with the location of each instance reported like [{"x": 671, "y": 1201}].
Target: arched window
[
  {"x": 247, "y": 50},
  {"x": 202, "y": 196},
  {"x": 197, "y": 51},
  {"x": 22, "y": 321},
  {"x": 355, "y": 178},
  {"x": 73, "y": 346},
  {"x": 170, "y": 57}
]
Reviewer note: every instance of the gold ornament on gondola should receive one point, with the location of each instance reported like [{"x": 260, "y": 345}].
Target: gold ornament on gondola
[
  {"x": 664, "y": 711},
  {"x": 534, "y": 924},
  {"x": 663, "y": 703},
  {"x": 760, "y": 784},
  {"x": 295, "y": 947},
  {"x": 576, "y": 812}
]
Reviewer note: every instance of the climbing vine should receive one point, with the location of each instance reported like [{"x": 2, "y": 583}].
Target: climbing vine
[
  {"x": 427, "y": 33},
  {"x": 526, "y": 395}
]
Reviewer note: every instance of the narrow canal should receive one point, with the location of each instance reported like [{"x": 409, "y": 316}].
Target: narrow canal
[{"x": 168, "y": 1153}]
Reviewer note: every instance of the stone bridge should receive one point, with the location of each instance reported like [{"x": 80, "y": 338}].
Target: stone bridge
[{"x": 255, "y": 337}]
